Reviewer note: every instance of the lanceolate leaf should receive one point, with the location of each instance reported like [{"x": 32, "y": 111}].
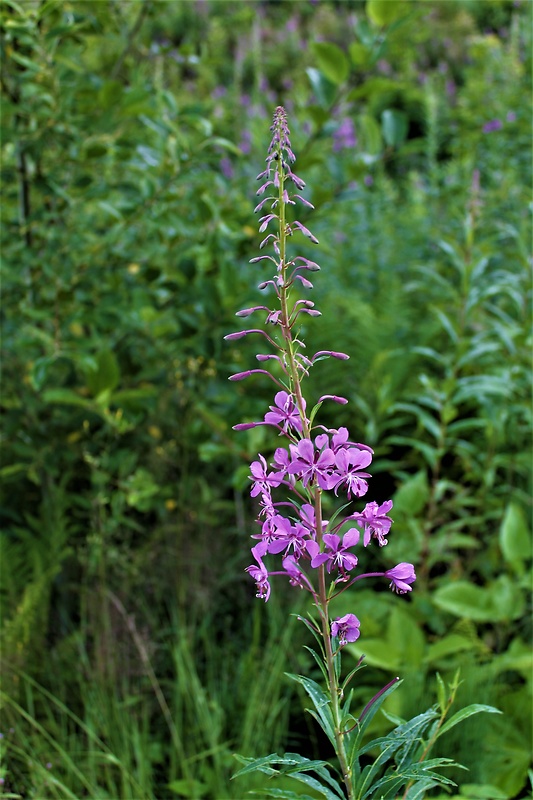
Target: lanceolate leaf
[
  {"x": 297, "y": 767},
  {"x": 464, "y": 713},
  {"x": 321, "y": 702}
]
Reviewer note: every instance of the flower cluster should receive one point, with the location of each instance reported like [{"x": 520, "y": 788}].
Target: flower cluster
[
  {"x": 330, "y": 462},
  {"x": 314, "y": 459}
]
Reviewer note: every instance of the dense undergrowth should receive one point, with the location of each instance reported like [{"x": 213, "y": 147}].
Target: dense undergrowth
[{"x": 135, "y": 660}]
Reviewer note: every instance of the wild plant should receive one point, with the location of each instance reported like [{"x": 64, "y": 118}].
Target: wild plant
[{"x": 319, "y": 555}]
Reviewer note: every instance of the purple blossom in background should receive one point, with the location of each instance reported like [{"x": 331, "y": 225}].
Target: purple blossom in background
[
  {"x": 346, "y": 628},
  {"x": 245, "y": 143},
  {"x": 511, "y": 116},
  {"x": 292, "y": 25},
  {"x": 451, "y": 89},
  {"x": 226, "y": 168},
  {"x": 344, "y": 137},
  {"x": 492, "y": 125}
]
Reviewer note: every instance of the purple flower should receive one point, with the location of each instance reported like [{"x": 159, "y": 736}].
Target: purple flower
[
  {"x": 285, "y": 413},
  {"x": 262, "y": 479},
  {"x": 336, "y": 554},
  {"x": 308, "y": 518},
  {"x": 349, "y": 464},
  {"x": 492, "y": 125},
  {"x": 346, "y": 628},
  {"x": 288, "y": 536},
  {"x": 260, "y": 573},
  {"x": 296, "y": 576},
  {"x": 511, "y": 116},
  {"x": 401, "y": 576},
  {"x": 268, "y": 511},
  {"x": 309, "y": 463},
  {"x": 375, "y": 521}
]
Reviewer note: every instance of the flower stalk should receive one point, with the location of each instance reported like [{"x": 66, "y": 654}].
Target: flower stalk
[{"x": 317, "y": 555}]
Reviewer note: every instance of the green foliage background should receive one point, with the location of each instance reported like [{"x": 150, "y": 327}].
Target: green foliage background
[{"x": 135, "y": 658}]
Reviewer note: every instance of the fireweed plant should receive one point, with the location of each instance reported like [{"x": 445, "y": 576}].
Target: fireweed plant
[{"x": 319, "y": 555}]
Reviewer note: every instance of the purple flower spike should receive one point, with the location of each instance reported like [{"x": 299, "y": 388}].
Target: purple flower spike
[
  {"x": 346, "y": 628},
  {"x": 401, "y": 577}
]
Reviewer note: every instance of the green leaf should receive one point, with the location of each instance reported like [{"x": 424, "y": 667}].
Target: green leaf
[
  {"x": 185, "y": 788},
  {"x": 295, "y": 766},
  {"x": 447, "y": 646},
  {"x": 477, "y": 791},
  {"x": 429, "y": 452},
  {"x": 370, "y": 135},
  {"x": 383, "y": 12},
  {"x": 360, "y": 54},
  {"x": 13, "y": 470},
  {"x": 515, "y": 542},
  {"x": 395, "y": 125},
  {"x": 477, "y": 387},
  {"x": 332, "y": 61},
  {"x": 25, "y": 62},
  {"x": 106, "y": 376},
  {"x": 321, "y": 701},
  {"x": 428, "y": 421},
  {"x": 68, "y": 397},
  {"x": 286, "y": 794},
  {"x": 39, "y": 371},
  {"x": 219, "y": 141},
  {"x": 464, "y": 713},
  {"x": 325, "y": 91},
  {"x": 110, "y": 209},
  {"x": 446, "y": 324},
  {"x": 441, "y": 693},
  {"x": 412, "y": 495},
  {"x": 499, "y": 601}
]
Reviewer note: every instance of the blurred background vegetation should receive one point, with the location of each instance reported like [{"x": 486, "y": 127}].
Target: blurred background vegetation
[{"x": 135, "y": 658}]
